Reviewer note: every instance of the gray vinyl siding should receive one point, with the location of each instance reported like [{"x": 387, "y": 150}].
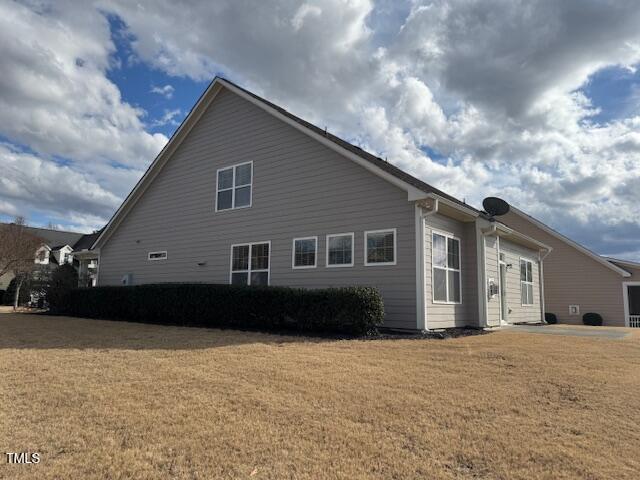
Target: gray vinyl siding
[
  {"x": 573, "y": 278},
  {"x": 300, "y": 188},
  {"x": 519, "y": 313},
  {"x": 492, "y": 272},
  {"x": 441, "y": 315}
]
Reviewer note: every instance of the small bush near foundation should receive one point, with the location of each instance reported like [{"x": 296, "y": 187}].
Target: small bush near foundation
[
  {"x": 550, "y": 318},
  {"x": 592, "y": 319}
]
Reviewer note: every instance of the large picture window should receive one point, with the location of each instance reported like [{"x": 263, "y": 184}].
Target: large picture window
[
  {"x": 380, "y": 247},
  {"x": 445, "y": 256},
  {"x": 340, "y": 250},
  {"x": 234, "y": 187},
  {"x": 305, "y": 252},
  {"x": 526, "y": 281},
  {"x": 250, "y": 264}
]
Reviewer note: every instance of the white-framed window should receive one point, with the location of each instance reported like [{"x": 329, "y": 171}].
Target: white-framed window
[
  {"x": 234, "y": 187},
  {"x": 446, "y": 276},
  {"x": 250, "y": 264},
  {"x": 340, "y": 250},
  {"x": 304, "y": 252},
  {"x": 380, "y": 247},
  {"x": 162, "y": 255},
  {"x": 526, "y": 281}
]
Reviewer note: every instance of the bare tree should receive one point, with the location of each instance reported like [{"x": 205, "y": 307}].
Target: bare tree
[{"x": 17, "y": 252}]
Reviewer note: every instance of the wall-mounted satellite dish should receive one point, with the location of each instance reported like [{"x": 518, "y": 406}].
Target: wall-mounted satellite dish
[{"x": 495, "y": 206}]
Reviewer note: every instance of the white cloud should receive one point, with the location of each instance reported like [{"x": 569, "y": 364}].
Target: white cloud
[
  {"x": 166, "y": 91},
  {"x": 491, "y": 85},
  {"x": 168, "y": 118}
]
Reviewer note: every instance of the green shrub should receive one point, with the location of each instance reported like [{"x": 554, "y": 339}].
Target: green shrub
[
  {"x": 1, "y": 297},
  {"x": 351, "y": 310},
  {"x": 592, "y": 319},
  {"x": 63, "y": 279},
  {"x": 550, "y": 318}
]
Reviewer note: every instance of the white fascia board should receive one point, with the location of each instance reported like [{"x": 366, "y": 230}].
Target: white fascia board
[{"x": 571, "y": 243}]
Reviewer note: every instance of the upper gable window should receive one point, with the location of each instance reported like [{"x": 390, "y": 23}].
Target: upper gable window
[{"x": 234, "y": 187}]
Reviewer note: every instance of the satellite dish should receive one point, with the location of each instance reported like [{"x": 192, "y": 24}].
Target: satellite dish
[{"x": 495, "y": 206}]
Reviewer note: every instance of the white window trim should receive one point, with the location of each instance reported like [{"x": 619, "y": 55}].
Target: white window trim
[
  {"x": 525, "y": 282},
  {"x": 293, "y": 254},
  {"x": 156, "y": 253},
  {"x": 625, "y": 299},
  {"x": 233, "y": 188},
  {"x": 459, "y": 270},
  {"x": 353, "y": 248},
  {"x": 395, "y": 247},
  {"x": 249, "y": 270}
]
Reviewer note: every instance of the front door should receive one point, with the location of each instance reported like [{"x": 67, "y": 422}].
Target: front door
[
  {"x": 504, "y": 311},
  {"x": 632, "y": 307}
]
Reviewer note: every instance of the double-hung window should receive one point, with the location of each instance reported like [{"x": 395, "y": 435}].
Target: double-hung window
[
  {"x": 340, "y": 250},
  {"x": 305, "y": 252},
  {"x": 380, "y": 247},
  {"x": 445, "y": 256},
  {"x": 234, "y": 187},
  {"x": 526, "y": 281},
  {"x": 250, "y": 264}
]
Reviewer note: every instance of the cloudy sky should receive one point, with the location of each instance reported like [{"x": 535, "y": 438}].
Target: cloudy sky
[{"x": 535, "y": 101}]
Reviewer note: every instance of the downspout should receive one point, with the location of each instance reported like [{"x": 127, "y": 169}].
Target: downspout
[
  {"x": 541, "y": 281},
  {"x": 425, "y": 210}
]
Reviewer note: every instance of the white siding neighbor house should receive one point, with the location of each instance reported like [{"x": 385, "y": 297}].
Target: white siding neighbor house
[{"x": 247, "y": 193}]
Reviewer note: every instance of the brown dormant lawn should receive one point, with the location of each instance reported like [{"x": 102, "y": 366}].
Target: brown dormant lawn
[{"x": 117, "y": 400}]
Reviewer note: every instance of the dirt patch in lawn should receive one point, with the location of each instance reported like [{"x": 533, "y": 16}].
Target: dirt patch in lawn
[{"x": 116, "y": 400}]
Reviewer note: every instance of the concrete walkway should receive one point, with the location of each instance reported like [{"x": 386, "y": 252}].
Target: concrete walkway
[{"x": 571, "y": 330}]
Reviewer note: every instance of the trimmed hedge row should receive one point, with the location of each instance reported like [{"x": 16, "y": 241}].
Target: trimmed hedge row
[{"x": 352, "y": 310}]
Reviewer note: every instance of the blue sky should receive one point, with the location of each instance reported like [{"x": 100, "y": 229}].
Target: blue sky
[{"x": 90, "y": 95}]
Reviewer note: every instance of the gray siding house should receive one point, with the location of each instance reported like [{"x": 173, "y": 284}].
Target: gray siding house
[
  {"x": 578, "y": 281},
  {"x": 247, "y": 193}
]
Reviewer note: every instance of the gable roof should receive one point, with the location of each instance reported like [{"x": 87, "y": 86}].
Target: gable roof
[
  {"x": 416, "y": 189},
  {"x": 86, "y": 241},
  {"x": 594, "y": 256},
  {"x": 625, "y": 263},
  {"x": 53, "y": 237}
]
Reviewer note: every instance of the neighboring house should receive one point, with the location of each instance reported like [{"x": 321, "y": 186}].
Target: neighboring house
[
  {"x": 247, "y": 193},
  {"x": 62, "y": 247},
  {"x": 56, "y": 250},
  {"x": 577, "y": 281}
]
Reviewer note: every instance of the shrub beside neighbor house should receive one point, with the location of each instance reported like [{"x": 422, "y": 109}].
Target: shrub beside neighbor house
[
  {"x": 592, "y": 319},
  {"x": 550, "y": 318},
  {"x": 351, "y": 310}
]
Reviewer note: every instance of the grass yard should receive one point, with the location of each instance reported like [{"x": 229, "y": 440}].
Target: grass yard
[{"x": 114, "y": 400}]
